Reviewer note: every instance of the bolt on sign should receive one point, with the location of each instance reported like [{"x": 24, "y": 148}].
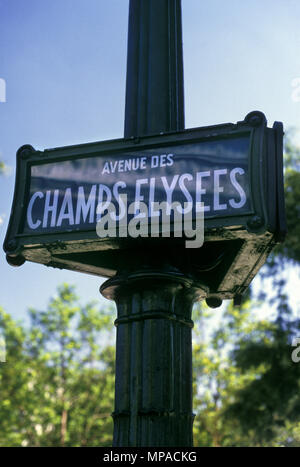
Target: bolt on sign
[{"x": 92, "y": 207}]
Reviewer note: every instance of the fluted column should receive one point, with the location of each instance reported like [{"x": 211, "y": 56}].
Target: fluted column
[{"x": 153, "y": 399}]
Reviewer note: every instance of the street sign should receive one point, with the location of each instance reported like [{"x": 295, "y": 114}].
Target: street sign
[
  {"x": 64, "y": 194},
  {"x": 74, "y": 207}
]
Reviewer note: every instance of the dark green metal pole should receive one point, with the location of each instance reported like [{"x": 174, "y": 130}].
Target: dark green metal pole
[
  {"x": 153, "y": 399},
  {"x": 154, "y": 88}
]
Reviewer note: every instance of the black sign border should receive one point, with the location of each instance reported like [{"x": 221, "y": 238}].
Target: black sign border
[{"x": 253, "y": 125}]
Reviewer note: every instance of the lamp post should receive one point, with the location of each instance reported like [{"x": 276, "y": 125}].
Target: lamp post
[{"x": 153, "y": 399}]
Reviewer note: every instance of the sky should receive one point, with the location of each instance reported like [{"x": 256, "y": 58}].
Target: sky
[{"x": 62, "y": 82}]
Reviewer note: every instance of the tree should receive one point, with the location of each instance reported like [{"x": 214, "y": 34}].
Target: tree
[
  {"x": 16, "y": 402},
  {"x": 245, "y": 382},
  {"x": 217, "y": 379},
  {"x": 249, "y": 383},
  {"x": 58, "y": 381}
]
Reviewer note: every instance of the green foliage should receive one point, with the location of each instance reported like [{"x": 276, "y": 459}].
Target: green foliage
[
  {"x": 246, "y": 385},
  {"x": 57, "y": 384},
  {"x": 216, "y": 379},
  {"x": 266, "y": 404}
]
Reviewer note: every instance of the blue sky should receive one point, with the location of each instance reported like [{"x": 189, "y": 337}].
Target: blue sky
[{"x": 64, "y": 64}]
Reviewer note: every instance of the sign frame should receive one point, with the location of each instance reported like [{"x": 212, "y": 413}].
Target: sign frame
[{"x": 264, "y": 225}]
